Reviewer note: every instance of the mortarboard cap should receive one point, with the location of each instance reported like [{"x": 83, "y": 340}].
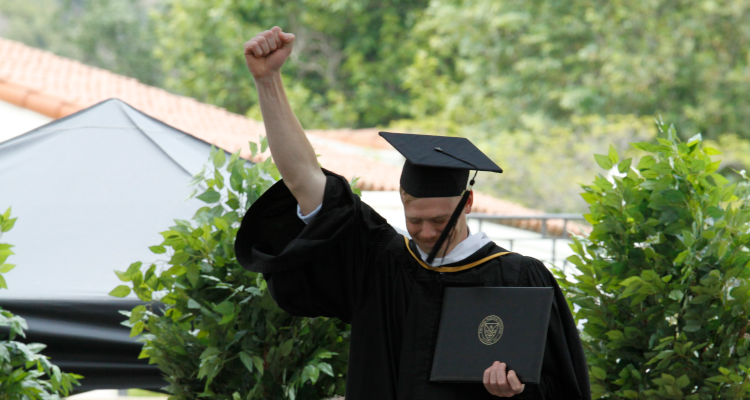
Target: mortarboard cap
[{"x": 438, "y": 166}]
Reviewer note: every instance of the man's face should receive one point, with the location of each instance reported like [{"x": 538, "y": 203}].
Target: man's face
[{"x": 426, "y": 218}]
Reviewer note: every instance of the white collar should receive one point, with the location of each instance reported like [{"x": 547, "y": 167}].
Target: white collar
[{"x": 463, "y": 250}]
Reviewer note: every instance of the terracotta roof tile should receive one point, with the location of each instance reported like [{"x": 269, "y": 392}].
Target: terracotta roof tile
[{"x": 56, "y": 86}]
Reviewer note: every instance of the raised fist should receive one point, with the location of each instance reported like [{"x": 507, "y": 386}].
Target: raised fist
[{"x": 267, "y": 51}]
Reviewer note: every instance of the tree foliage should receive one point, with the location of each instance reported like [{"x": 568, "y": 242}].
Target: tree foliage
[
  {"x": 498, "y": 62},
  {"x": 116, "y": 35},
  {"x": 664, "y": 283},
  {"x": 342, "y": 71},
  {"x": 210, "y": 325},
  {"x": 22, "y": 367}
]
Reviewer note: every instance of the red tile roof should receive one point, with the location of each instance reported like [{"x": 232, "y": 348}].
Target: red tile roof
[{"x": 56, "y": 86}]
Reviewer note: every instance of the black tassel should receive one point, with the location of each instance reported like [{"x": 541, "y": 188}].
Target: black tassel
[{"x": 450, "y": 225}]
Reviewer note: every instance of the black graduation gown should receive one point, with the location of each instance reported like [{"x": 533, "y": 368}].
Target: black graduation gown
[{"x": 349, "y": 263}]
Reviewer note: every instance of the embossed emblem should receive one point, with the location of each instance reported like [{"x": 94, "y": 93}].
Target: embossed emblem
[{"x": 490, "y": 330}]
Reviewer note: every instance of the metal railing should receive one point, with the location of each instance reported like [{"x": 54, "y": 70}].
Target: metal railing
[{"x": 543, "y": 218}]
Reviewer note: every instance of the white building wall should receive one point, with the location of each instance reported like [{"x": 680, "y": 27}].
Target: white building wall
[{"x": 16, "y": 120}]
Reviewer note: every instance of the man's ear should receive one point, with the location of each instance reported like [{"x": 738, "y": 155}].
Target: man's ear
[{"x": 469, "y": 203}]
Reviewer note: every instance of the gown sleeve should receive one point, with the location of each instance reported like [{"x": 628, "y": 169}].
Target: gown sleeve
[
  {"x": 323, "y": 268},
  {"x": 564, "y": 370}
]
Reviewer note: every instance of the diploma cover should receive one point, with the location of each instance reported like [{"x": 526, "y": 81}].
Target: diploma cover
[{"x": 481, "y": 325}]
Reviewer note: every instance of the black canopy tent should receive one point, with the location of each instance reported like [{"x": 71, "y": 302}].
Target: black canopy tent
[{"x": 91, "y": 192}]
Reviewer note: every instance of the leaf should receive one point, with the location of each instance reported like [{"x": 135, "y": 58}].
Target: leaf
[
  {"x": 310, "y": 372},
  {"x": 286, "y": 347},
  {"x": 137, "y": 314},
  {"x": 711, "y": 151},
  {"x": 681, "y": 257},
  {"x": 263, "y": 143},
  {"x": 221, "y": 224},
  {"x": 133, "y": 269},
  {"x": 258, "y": 362},
  {"x": 158, "y": 249},
  {"x": 246, "y": 360},
  {"x": 713, "y": 167},
  {"x": 603, "y": 161},
  {"x": 682, "y": 381},
  {"x": 253, "y": 149},
  {"x": 6, "y": 268},
  {"x": 193, "y": 274},
  {"x": 210, "y": 196},
  {"x": 225, "y": 308},
  {"x": 719, "y": 180},
  {"x": 624, "y": 166},
  {"x": 718, "y": 379},
  {"x": 646, "y": 162},
  {"x": 615, "y": 335},
  {"x": 676, "y": 295},
  {"x": 598, "y": 373},
  {"x": 692, "y": 326},
  {"x": 56, "y": 373},
  {"x": 137, "y": 329},
  {"x": 7, "y": 225},
  {"x": 613, "y": 155},
  {"x": 120, "y": 291},
  {"x": 630, "y": 280},
  {"x": 219, "y": 158},
  {"x": 122, "y": 276},
  {"x": 326, "y": 368},
  {"x": 193, "y": 304}
]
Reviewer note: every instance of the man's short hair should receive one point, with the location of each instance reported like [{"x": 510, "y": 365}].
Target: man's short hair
[{"x": 406, "y": 197}]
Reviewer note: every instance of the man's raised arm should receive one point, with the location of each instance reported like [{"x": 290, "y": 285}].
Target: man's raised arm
[{"x": 292, "y": 152}]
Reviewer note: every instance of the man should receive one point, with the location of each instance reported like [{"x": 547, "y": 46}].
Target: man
[{"x": 325, "y": 253}]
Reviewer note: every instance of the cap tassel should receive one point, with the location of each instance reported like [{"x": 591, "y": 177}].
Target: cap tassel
[
  {"x": 448, "y": 231},
  {"x": 449, "y": 226}
]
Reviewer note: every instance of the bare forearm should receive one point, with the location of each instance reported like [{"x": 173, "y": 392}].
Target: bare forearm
[{"x": 291, "y": 150}]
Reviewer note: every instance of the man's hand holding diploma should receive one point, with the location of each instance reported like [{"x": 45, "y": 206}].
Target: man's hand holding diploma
[{"x": 497, "y": 382}]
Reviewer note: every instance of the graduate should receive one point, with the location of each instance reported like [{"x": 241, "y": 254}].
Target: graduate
[{"x": 324, "y": 252}]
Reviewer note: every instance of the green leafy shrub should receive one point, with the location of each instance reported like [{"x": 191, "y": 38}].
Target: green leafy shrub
[
  {"x": 22, "y": 368},
  {"x": 210, "y": 325},
  {"x": 664, "y": 284}
]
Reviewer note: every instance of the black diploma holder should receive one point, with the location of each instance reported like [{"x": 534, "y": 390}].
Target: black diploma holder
[{"x": 481, "y": 325}]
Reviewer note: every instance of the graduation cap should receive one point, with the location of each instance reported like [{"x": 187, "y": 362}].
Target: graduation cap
[{"x": 439, "y": 166}]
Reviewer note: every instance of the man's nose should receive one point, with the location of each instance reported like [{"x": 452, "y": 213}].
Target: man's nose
[{"x": 429, "y": 231}]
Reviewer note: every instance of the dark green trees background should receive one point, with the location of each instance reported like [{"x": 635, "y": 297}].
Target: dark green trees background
[{"x": 536, "y": 84}]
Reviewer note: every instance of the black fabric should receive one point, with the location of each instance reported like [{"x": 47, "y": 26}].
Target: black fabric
[
  {"x": 349, "y": 263},
  {"x": 420, "y": 181},
  {"x": 86, "y": 337}
]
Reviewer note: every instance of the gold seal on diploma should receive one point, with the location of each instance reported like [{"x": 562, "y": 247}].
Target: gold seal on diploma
[{"x": 490, "y": 330}]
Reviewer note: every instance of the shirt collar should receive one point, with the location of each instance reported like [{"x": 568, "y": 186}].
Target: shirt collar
[{"x": 463, "y": 250}]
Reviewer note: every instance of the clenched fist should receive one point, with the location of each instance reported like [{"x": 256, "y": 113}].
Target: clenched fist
[{"x": 267, "y": 51}]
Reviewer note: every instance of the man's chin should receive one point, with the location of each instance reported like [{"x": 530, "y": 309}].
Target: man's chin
[{"x": 426, "y": 248}]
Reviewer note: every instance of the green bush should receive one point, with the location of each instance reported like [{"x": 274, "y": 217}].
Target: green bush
[
  {"x": 22, "y": 368},
  {"x": 210, "y": 325},
  {"x": 664, "y": 284}
]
